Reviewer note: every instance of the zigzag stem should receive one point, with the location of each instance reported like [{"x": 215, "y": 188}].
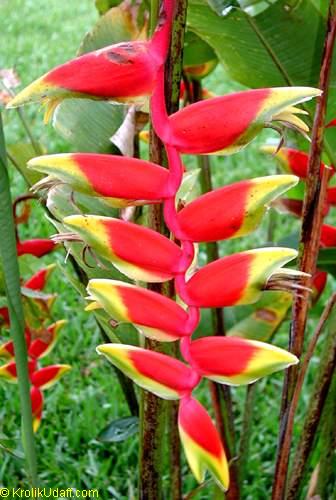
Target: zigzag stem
[{"x": 162, "y": 128}]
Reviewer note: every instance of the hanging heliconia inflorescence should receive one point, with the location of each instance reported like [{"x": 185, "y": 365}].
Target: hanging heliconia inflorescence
[{"x": 221, "y": 125}]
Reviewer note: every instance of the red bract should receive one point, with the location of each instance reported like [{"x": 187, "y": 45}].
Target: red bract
[
  {"x": 39, "y": 279},
  {"x": 155, "y": 315},
  {"x": 223, "y": 125},
  {"x": 233, "y": 210},
  {"x": 36, "y": 397},
  {"x": 202, "y": 443},
  {"x": 328, "y": 236},
  {"x": 47, "y": 376},
  {"x": 120, "y": 180},
  {"x": 136, "y": 251},
  {"x": 165, "y": 376},
  {"x": 292, "y": 160},
  {"x": 236, "y": 279},
  {"x": 232, "y": 360},
  {"x": 120, "y": 72},
  {"x": 37, "y": 247}
]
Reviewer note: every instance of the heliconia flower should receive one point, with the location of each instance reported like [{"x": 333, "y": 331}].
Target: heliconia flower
[
  {"x": 4, "y": 316},
  {"x": 7, "y": 349},
  {"x": 37, "y": 247},
  {"x": 233, "y": 210},
  {"x": 331, "y": 124},
  {"x": 121, "y": 181},
  {"x": 139, "y": 252},
  {"x": 328, "y": 236},
  {"x": 319, "y": 282},
  {"x": 224, "y": 125},
  {"x": 158, "y": 373},
  {"x": 39, "y": 279},
  {"x": 236, "y": 361},
  {"x": 291, "y": 160},
  {"x": 331, "y": 195},
  {"x": 120, "y": 72},
  {"x": 201, "y": 442},
  {"x": 48, "y": 376},
  {"x": 236, "y": 279},
  {"x": 8, "y": 371},
  {"x": 41, "y": 346},
  {"x": 36, "y": 397},
  {"x": 155, "y": 315}
]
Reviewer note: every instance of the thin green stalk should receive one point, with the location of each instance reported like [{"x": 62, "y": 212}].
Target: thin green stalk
[{"x": 13, "y": 292}]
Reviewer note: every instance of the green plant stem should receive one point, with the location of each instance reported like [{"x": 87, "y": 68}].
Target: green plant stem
[
  {"x": 326, "y": 371},
  {"x": 17, "y": 324}
]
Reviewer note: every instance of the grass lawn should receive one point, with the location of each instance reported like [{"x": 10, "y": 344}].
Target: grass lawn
[{"x": 38, "y": 35}]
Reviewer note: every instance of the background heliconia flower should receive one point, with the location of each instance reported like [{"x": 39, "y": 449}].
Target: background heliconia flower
[
  {"x": 235, "y": 361},
  {"x": 167, "y": 321},
  {"x": 231, "y": 211},
  {"x": 48, "y": 376},
  {"x": 291, "y": 160},
  {"x": 40, "y": 347},
  {"x": 158, "y": 373},
  {"x": 236, "y": 279},
  {"x": 201, "y": 442},
  {"x": 39, "y": 279},
  {"x": 36, "y": 397},
  {"x": 121, "y": 181},
  {"x": 331, "y": 195},
  {"x": 138, "y": 252},
  {"x": 37, "y": 247},
  {"x": 7, "y": 349},
  {"x": 328, "y": 236},
  {"x": 224, "y": 125},
  {"x": 8, "y": 371}
]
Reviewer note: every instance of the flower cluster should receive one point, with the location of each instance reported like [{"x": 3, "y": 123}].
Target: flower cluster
[
  {"x": 39, "y": 343},
  {"x": 220, "y": 125}
]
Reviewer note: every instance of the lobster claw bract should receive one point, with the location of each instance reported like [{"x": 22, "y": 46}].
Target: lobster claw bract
[
  {"x": 201, "y": 442},
  {"x": 158, "y": 373}
]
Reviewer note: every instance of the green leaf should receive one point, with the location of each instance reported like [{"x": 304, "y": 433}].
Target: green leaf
[
  {"x": 88, "y": 125},
  {"x": 196, "y": 51},
  {"x": 104, "y": 5},
  {"x": 117, "y": 25},
  {"x": 20, "y": 154},
  {"x": 119, "y": 430},
  {"x": 10, "y": 445},
  {"x": 270, "y": 312},
  {"x": 327, "y": 260},
  {"x": 280, "y": 46}
]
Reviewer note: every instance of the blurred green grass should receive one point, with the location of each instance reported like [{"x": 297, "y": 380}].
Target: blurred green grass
[{"x": 39, "y": 35}]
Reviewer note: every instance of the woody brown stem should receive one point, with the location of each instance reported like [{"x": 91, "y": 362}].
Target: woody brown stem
[
  {"x": 313, "y": 203},
  {"x": 284, "y": 451},
  {"x": 326, "y": 371},
  {"x": 309, "y": 247},
  {"x": 153, "y": 408}
]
